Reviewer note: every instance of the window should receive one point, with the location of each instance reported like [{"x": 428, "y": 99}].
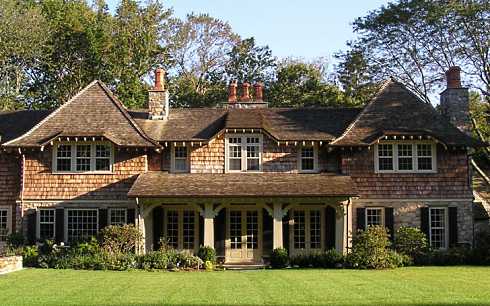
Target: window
[
  {"x": 243, "y": 153},
  {"x": 83, "y": 157},
  {"x": 46, "y": 224},
  {"x": 181, "y": 229},
  {"x": 374, "y": 216},
  {"x": 308, "y": 159},
  {"x": 117, "y": 216},
  {"x": 180, "y": 162},
  {"x": 405, "y": 157},
  {"x": 4, "y": 224},
  {"x": 438, "y": 228},
  {"x": 307, "y": 229},
  {"x": 299, "y": 229},
  {"x": 81, "y": 224}
]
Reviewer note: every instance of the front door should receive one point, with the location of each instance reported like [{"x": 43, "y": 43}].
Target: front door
[
  {"x": 244, "y": 235},
  {"x": 306, "y": 233}
]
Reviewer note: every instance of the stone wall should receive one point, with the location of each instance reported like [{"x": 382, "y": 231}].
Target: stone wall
[{"x": 10, "y": 264}]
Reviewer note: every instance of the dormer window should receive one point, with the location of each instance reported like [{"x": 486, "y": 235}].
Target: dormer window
[
  {"x": 83, "y": 157},
  {"x": 243, "y": 153},
  {"x": 308, "y": 159},
  {"x": 180, "y": 159},
  {"x": 405, "y": 157}
]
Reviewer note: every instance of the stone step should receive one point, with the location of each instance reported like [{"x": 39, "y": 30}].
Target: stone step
[{"x": 244, "y": 266}]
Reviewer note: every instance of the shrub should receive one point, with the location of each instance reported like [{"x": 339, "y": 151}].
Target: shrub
[
  {"x": 153, "y": 260},
  {"x": 120, "y": 239},
  {"x": 301, "y": 261},
  {"x": 207, "y": 253},
  {"x": 370, "y": 249},
  {"x": 450, "y": 257},
  {"x": 30, "y": 256},
  {"x": 171, "y": 259},
  {"x": 279, "y": 258},
  {"x": 481, "y": 251},
  {"x": 15, "y": 240},
  {"x": 412, "y": 242},
  {"x": 332, "y": 259}
]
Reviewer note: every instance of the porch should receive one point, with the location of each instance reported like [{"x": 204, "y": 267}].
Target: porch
[{"x": 302, "y": 213}]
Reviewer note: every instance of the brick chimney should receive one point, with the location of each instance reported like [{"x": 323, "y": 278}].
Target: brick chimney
[
  {"x": 158, "y": 100},
  {"x": 232, "y": 97},
  {"x": 245, "y": 92},
  {"x": 258, "y": 92},
  {"x": 455, "y": 101}
]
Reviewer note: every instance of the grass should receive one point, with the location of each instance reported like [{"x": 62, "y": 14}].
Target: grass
[{"x": 407, "y": 286}]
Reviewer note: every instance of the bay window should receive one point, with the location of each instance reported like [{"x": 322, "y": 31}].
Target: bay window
[
  {"x": 83, "y": 157},
  {"x": 243, "y": 153},
  {"x": 405, "y": 157}
]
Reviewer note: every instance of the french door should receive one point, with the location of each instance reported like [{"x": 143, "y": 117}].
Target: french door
[
  {"x": 306, "y": 234},
  {"x": 181, "y": 229},
  {"x": 244, "y": 235}
]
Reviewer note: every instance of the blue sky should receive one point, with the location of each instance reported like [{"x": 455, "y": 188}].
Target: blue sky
[{"x": 307, "y": 29}]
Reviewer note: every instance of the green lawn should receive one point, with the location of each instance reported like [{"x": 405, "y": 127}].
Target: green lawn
[{"x": 407, "y": 286}]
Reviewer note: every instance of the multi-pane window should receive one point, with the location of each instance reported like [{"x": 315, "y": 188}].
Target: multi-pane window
[
  {"x": 118, "y": 216},
  {"x": 307, "y": 159},
  {"x": 82, "y": 224},
  {"x": 252, "y": 229},
  {"x": 181, "y": 229},
  {"x": 315, "y": 229},
  {"x": 180, "y": 159},
  {"x": 46, "y": 224},
  {"x": 172, "y": 234},
  {"x": 307, "y": 229},
  {"x": 405, "y": 157},
  {"x": 189, "y": 230},
  {"x": 438, "y": 227},
  {"x": 299, "y": 229},
  {"x": 236, "y": 229},
  {"x": 243, "y": 153},
  {"x": 4, "y": 225},
  {"x": 83, "y": 157},
  {"x": 374, "y": 216}
]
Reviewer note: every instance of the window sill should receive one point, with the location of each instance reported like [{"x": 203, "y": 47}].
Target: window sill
[
  {"x": 404, "y": 172},
  {"x": 84, "y": 173}
]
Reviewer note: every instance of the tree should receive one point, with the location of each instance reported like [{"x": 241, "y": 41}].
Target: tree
[
  {"x": 303, "y": 84},
  {"x": 418, "y": 40},
  {"x": 198, "y": 48},
  {"x": 250, "y": 63},
  {"x": 23, "y": 35}
]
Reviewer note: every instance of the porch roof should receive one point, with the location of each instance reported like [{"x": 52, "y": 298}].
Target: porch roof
[{"x": 159, "y": 184}]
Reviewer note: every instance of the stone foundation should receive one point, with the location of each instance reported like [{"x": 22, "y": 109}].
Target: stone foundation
[{"x": 10, "y": 264}]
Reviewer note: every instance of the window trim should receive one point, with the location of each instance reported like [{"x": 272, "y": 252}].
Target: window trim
[
  {"x": 172, "y": 160},
  {"x": 38, "y": 222},
  {"x": 8, "y": 209},
  {"x": 315, "y": 159},
  {"x": 73, "y": 158},
  {"x": 446, "y": 226},
  {"x": 374, "y": 208},
  {"x": 243, "y": 152},
  {"x": 415, "y": 156},
  {"x": 65, "y": 225},
  {"x": 109, "y": 214}
]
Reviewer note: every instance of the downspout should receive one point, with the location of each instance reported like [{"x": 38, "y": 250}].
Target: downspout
[{"x": 22, "y": 187}]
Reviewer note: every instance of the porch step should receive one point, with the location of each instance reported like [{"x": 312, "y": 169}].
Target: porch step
[{"x": 245, "y": 266}]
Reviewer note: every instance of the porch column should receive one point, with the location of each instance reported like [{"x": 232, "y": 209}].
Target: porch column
[
  {"x": 141, "y": 226},
  {"x": 277, "y": 226},
  {"x": 343, "y": 222},
  {"x": 209, "y": 225}
]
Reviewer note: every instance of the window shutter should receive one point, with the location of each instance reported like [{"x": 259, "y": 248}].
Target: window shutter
[
  {"x": 267, "y": 232},
  {"x": 157, "y": 226},
  {"x": 361, "y": 218},
  {"x": 330, "y": 220},
  {"x": 60, "y": 225},
  {"x": 424, "y": 221},
  {"x": 31, "y": 227},
  {"x": 103, "y": 218},
  {"x": 131, "y": 213},
  {"x": 285, "y": 231},
  {"x": 453, "y": 226},
  {"x": 389, "y": 222}
]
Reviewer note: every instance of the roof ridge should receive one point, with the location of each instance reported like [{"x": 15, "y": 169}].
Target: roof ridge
[{"x": 52, "y": 114}]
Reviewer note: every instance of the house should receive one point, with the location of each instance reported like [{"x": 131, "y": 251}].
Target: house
[{"x": 243, "y": 178}]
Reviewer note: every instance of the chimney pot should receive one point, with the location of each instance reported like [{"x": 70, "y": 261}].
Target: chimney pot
[
  {"x": 232, "y": 98},
  {"x": 453, "y": 77},
  {"x": 258, "y": 91},
  {"x": 159, "y": 79},
  {"x": 245, "y": 92}
]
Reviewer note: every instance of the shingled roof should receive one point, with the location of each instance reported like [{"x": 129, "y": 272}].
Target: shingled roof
[
  {"x": 94, "y": 111},
  {"x": 163, "y": 184},
  {"x": 14, "y": 124},
  {"x": 398, "y": 111}
]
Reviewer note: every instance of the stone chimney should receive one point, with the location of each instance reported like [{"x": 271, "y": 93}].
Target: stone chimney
[
  {"x": 158, "y": 100},
  {"x": 455, "y": 101}
]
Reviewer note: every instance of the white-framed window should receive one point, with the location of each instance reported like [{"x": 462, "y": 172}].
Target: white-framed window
[
  {"x": 83, "y": 157},
  {"x": 180, "y": 159},
  {"x": 182, "y": 228},
  {"x": 306, "y": 232},
  {"x": 5, "y": 224},
  {"x": 81, "y": 224},
  {"x": 46, "y": 223},
  {"x": 405, "y": 157},
  {"x": 118, "y": 216},
  {"x": 243, "y": 153},
  {"x": 438, "y": 229},
  {"x": 308, "y": 159},
  {"x": 374, "y": 216}
]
